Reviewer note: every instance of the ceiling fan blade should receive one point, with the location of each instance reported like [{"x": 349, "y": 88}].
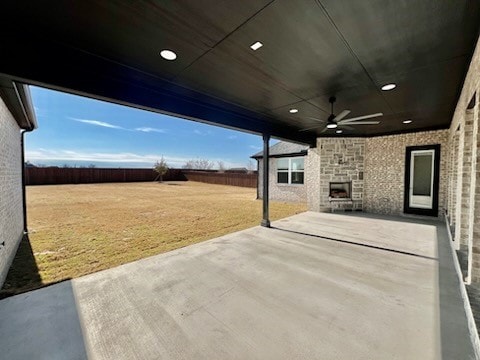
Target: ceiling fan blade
[
  {"x": 319, "y": 120},
  {"x": 311, "y": 128},
  {"x": 341, "y": 115},
  {"x": 325, "y": 129},
  {"x": 346, "y": 127},
  {"x": 362, "y": 123},
  {"x": 362, "y": 117}
]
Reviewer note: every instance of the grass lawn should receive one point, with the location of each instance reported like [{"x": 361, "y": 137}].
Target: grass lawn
[{"x": 80, "y": 229}]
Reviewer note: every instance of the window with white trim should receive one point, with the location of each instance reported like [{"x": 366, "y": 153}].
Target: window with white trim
[{"x": 290, "y": 170}]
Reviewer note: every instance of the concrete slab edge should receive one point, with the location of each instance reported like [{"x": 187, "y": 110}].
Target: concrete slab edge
[{"x": 472, "y": 327}]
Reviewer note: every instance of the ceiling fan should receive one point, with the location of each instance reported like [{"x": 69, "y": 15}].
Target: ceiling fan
[{"x": 335, "y": 121}]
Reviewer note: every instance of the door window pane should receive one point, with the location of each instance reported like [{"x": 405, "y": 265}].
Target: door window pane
[{"x": 422, "y": 174}]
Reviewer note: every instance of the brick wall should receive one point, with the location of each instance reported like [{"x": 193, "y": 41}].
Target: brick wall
[
  {"x": 312, "y": 178},
  {"x": 280, "y": 192},
  {"x": 466, "y": 184},
  {"x": 11, "y": 207},
  {"x": 385, "y": 169},
  {"x": 452, "y": 178}
]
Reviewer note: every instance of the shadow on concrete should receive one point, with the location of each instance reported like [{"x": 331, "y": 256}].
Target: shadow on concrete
[
  {"x": 43, "y": 324},
  {"x": 415, "y": 219},
  {"x": 23, "y": 274},
  {"x": 356, "y": 243},
  {"x": 454, "y": 335}
]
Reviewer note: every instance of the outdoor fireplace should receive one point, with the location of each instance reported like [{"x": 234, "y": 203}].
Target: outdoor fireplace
[{"x": 340, "y": 190}]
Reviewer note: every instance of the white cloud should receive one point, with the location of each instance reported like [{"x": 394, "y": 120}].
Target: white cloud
[
  {"x": 112, "y": 126},
  {"x": 98, "y": 123},
  {"x": 231, "y": 137},
  {"x": 253, "y": 147},
  {"x": 202, "y": 133},
  {"x": 149, "y": 129},
  {"x": 70, "y": 156}
]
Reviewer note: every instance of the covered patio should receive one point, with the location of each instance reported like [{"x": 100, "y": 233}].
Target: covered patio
[
  {"x": 403, "y": 77},
  {"x": 315, "y": 285}
]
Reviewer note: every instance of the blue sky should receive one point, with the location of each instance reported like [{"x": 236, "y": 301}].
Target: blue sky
[{"x": 80, "y": 131}]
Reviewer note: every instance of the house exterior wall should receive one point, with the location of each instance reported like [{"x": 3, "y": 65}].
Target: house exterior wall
[
  {"x": 11, "y": 203},
  {"x": 385, "y": 170},
  {"x": 281, "y": 192},
  {"x": 375, "y": 166},
  {"x": 312, "y": 178},
  {"x": 452, "y": 166},
  {"x": 467, "y": 228},
  {"x": 464, "y": 232}
]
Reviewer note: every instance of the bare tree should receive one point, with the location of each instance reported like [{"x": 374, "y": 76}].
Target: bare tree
[
  {"x": 221, "y": 166},
  {"x": 92, "y": 166},
  {"x": 198, "y": 164},
  {"x": 161, "y": 168}
]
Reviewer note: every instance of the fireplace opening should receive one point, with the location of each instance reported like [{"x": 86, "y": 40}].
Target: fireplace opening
[{"x": 340, "y": 190}]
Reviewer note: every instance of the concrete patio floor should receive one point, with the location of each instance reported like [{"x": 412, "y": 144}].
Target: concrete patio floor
[{"x": 316, "y": 286}]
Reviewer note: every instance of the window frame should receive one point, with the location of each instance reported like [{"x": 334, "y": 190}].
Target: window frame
[{"x": 289, "y": 171}]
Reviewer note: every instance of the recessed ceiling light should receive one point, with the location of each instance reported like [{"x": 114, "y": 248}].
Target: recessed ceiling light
[
  {"x": 256, "y": 46},
  {"x": 339, "y": 131},
  {"x": 407, "y": 121},
  {"x": 168, "y": 54},
  {"x": 331, "y": 126},
  {"x": 293, "y": 111},
  {"x": 387, "y": 87}
]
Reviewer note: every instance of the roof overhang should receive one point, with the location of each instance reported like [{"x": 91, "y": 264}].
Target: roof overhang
[
  {"x": 19, "y": 102},
  {"x": 301, "y": 153}
]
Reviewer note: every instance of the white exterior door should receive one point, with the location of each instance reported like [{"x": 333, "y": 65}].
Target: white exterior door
[{"x": 422, "y": 170}]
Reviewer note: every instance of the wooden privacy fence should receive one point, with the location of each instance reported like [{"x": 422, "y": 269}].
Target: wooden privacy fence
[
  {"x": 233, "y": 179},
  {"x": 54, "y": 175}
]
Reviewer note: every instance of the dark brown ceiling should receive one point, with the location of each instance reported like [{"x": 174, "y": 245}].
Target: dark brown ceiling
[{"x": 312, "y": 50}]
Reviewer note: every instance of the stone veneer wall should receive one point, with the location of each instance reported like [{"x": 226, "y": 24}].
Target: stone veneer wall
[
  {"x": 11, "y": 204},
  {"x": 385, "y": 169},
  {"x": 335, "y": 160},
  {"x": 280, "y": 192}
]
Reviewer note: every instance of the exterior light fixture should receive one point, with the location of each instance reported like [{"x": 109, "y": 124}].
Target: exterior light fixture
[
  {"x": 293, "y": 111},
  {"x": 388, "y": 87},
  {"x": 168, "y": 54},
  {"x": 255, "y": 46},
  {"x": 331, "y": 126},
  {"x": 407, "y": 121},
  {"x": 339, "y": 131}
]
